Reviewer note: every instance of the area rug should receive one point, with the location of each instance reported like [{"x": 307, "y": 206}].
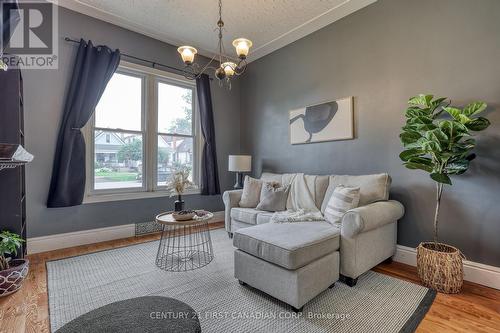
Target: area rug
[
  {"x": 378, "y": 303},
  {"x": 134, "y": 315}
]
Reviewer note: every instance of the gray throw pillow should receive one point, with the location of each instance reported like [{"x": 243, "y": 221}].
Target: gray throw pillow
[
  {"x": 273, "y": 197},
  {"x": 251, "y": 192}
]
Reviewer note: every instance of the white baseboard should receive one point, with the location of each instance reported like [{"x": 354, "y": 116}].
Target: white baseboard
[
  {"x": 485, "y": 275},
  {"x": 71, "y": 239}
]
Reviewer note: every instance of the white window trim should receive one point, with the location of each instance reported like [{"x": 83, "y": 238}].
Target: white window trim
[{"x": 150, "y": 189}]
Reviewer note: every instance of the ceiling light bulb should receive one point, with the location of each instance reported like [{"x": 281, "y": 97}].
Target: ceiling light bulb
[
  {"x": 229, "y": 68},
  {"x": 242, "y": 46},
  {"x": 187, "y": 54}
]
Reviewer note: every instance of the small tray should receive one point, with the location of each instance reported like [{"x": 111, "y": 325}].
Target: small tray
[{"x": 167, "y": 218}]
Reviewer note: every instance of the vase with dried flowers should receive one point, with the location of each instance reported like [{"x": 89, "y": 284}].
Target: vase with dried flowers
[{"x": 178, "y": 183}]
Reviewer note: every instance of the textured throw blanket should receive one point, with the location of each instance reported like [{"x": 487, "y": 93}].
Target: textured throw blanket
[
  {"x": 301, "y": 195},
  {"x": 300, "y": 215},
  {"x": 301, "y": 206}
]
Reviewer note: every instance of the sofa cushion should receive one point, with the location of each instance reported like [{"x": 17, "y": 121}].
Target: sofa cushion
[
  {"x": 373, "y": 188},
  {"x": 250, "y": 196},
  {"x": 245, "y": 215},
  {"x": 283, "y": 179},
  {"x": 271, "y": 177},
  {"x": 264, "y": 217},
  {"x": 320, "y": 189},
  {"x": 289, "y": 245}
]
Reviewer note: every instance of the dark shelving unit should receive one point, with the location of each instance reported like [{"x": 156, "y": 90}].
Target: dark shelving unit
[{"x": 12, "y": 181}]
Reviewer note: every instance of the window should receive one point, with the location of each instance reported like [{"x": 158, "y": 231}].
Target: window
[
  {"x": 143, "y": 129},
  {"x": 175, "y": 129}
]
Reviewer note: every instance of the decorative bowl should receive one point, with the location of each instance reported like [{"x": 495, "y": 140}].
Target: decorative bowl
[{"x": 184, "y": 215}]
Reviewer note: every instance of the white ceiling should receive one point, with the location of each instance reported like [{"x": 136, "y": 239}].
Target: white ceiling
[{"x": 270, "y": 24}]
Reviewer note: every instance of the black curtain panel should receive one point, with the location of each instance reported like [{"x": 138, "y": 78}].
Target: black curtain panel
[
  {"x": 93, "y": 68},
  {"x": 209, "y": 174}
]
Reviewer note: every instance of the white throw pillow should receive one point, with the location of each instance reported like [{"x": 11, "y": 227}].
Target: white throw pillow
[
  {"x": 342, "y": 199},
  {"x": 250, "y": 197}
]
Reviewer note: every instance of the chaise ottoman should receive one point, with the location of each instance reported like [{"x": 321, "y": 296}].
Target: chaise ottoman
[{"x": 293, "y": 262}]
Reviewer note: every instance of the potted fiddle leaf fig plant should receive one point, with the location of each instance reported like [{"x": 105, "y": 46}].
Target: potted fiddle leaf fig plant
[
  {"x": 439, "y": 140},
  {"x": 12, "y": 272}
]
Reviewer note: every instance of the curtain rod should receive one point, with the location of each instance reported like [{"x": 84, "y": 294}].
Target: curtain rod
[{"x": 153, "y": 63}]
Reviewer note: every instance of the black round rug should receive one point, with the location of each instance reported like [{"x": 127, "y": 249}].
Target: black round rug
[{"x": 142, "y": 314}]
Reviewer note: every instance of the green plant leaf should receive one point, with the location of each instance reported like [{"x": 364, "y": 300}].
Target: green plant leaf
[
  {"x": 410, "y": 128},
  {"x": 409, "y": 153},
  {"x": 424, "y": 127},
  {"x": 409, "y": 137},
  {"x": 417, "y": 166},
  {"x": 432, "y": 146},
  {"x": 9, "y": 243},
  {"x": 460, "y": 151},
  {"x": 454, "y": 112},
  {"x": 421, "y": 100},
  {"x": 421, "y": 160},
  {"x": 464, "y": 145},
  {"x": 420, "y": 120},
  {"x": 454, "y": 130},
  {"x": 478, "y": 124},
  {"x": 421, "y": 128},
  {"x": 458, "y": 115},
  {"x": 437, "y": 102},
  {"x": 469, "y": 141},
  {"x": 436, "y": 135},
  {"x": 458, "y": 167},
  {"x": 474, "y": 108},
  {"x": 412, "y": 112},
  {"x": 441, "y": 178}
]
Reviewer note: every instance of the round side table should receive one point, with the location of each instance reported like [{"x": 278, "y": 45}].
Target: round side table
[{"x": 184, "y": 245}]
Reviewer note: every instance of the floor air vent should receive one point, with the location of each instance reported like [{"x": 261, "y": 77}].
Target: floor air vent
[{"x": 144, "y": 228}]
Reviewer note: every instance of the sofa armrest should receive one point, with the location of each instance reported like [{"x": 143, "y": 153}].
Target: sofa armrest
[
  {"x": 231, "y": 199},
  {"x": 369, "y": 217}
]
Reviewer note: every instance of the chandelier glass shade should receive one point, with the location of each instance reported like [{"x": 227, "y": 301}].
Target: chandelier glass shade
[
  {"x": 227, "y": 68},
  {"x": 187, "y": 54}
]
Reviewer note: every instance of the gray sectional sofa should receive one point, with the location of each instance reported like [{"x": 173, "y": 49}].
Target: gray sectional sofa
[{"x": 309, "y": 256}]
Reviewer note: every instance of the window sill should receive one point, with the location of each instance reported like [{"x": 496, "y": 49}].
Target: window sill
[{"x": 95, "y": 198}]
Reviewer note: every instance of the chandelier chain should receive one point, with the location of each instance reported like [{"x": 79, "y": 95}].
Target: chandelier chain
[
  {"x": 220, "y": 24},
  {"x": 220, "y": 10}
]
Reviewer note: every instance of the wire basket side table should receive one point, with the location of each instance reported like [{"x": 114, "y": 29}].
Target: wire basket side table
[{"x": 184, "y": 245}]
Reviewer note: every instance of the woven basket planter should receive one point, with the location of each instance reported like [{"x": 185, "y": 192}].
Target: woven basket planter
[{"x": 440, "y": 267}]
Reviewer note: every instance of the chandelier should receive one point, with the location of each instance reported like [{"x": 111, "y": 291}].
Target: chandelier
[{"x": 227, "y": 69}]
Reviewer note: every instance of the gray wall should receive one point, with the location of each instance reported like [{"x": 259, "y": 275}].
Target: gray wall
[
  {"x": 382, "y": 55},
  {"x": 45, "y": 91}
]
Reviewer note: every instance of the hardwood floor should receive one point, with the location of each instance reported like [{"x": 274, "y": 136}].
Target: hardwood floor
[{"x": 475, "y": 309}]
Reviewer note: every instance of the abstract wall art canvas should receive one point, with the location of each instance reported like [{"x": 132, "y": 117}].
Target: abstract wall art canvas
[{"x": 322, "y": 122}]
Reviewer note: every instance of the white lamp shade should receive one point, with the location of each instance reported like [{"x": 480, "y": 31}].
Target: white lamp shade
[{"x": 240, "y": 163}]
